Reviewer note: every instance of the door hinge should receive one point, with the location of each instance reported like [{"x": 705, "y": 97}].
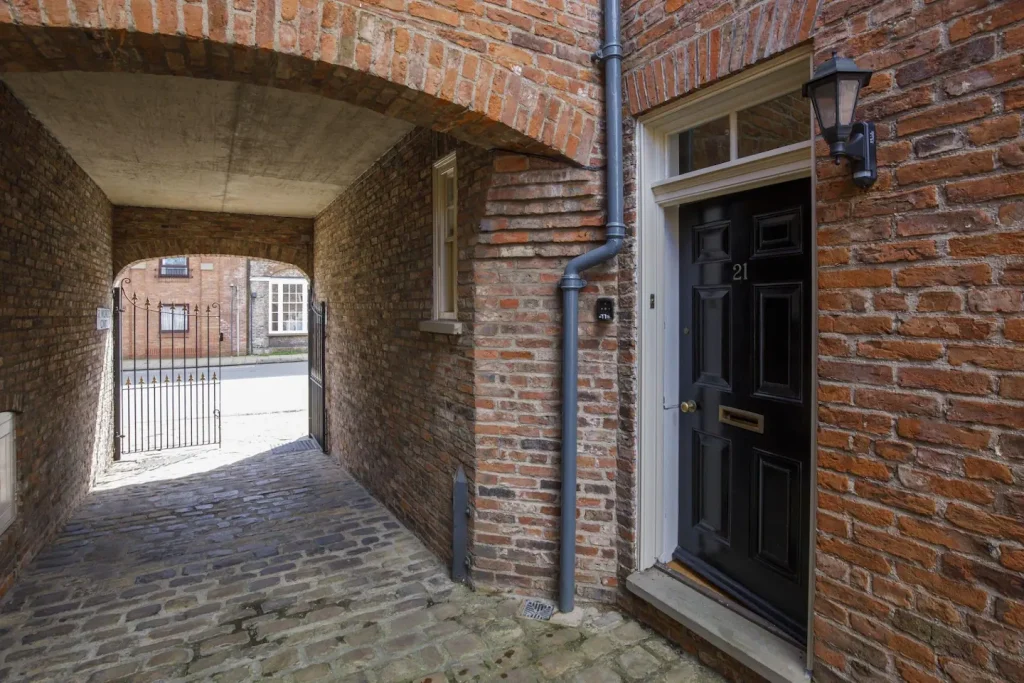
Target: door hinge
[{"x": 652, "y": 301}]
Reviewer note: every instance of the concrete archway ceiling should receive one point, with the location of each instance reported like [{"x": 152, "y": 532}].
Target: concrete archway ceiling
[{"x": 185, "y": 143}]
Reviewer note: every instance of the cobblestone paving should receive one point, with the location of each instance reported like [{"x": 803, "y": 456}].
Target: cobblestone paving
[{"x": 279, "y": 566}]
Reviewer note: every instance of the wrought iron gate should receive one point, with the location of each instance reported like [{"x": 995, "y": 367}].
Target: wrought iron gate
[
  {"x": 167, "y": 374},
  {"x": 317, "y": 345}
]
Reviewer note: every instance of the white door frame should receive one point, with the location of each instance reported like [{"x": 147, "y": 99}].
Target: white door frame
[{"x": 658, "y": 246}]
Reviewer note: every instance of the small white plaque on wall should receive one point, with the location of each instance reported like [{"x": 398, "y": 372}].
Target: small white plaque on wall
[
  {"x": 102, "y": 318},
  {"x": 206, "y": 266}
]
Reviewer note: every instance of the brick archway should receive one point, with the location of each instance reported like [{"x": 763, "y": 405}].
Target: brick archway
[
  {"x": 140, "y": 234},
  {"x": 465, "y": 72}
]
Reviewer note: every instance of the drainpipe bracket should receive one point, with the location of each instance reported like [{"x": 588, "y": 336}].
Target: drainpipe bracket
[
  {"x": 572, "y": 281},
  {"x": 606, "y": 52}
]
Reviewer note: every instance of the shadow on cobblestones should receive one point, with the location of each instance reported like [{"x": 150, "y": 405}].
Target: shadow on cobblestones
[{"x": 280, "y": 566}]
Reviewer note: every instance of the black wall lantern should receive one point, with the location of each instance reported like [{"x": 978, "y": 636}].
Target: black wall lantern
[{"x": 833, "y": 91}]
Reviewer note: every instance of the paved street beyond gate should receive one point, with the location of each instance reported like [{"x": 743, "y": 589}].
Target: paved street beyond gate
[{"x": 208, "y": 565}]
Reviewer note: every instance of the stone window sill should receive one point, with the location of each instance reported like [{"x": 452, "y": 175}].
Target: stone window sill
[
  {"x": 743, "y": 640},
  {"x": 441, "y": 326}
]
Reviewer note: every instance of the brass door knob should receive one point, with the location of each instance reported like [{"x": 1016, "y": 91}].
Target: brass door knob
[{"x": 688, "y": 406}]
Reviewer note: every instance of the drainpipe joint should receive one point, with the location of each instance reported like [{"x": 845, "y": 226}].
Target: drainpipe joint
[
  {"x": 615, "y": 231},
  {"x": 572, "y": 281}
]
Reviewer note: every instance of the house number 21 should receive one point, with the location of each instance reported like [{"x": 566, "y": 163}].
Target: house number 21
[{"x": 739, "y": 271}]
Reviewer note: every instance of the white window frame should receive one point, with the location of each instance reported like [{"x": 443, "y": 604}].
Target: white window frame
[
  {"x": 445, "y": 249},
  {"x": 177, "y": 313},
  {"x": 277, "y": 282},
  {"x": 659, "y": 196},
  {"x": 8, "y": 473},
  {"x": 160, "y": 265}
]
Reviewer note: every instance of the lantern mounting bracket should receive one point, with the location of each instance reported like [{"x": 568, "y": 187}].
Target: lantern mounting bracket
[{"x": 860, "y": 150}]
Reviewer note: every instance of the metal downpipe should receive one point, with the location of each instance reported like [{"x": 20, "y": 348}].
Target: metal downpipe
[{"x": 571, "y": 284}]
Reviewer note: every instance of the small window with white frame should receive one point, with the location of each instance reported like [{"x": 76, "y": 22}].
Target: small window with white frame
[
  {"x": 446, "y": 238},
  {"x": 174, "y": 317},
  {"x": 8, "y": 478},
  {"x": 287, "y": 306}
]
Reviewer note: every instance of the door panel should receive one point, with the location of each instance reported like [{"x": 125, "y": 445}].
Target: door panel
[
  {"x": 779, "y": 322},
  {"x": 745, "y": 359},
  {"x": 711, "y": 243},
  {"x": 777, "y": 234},
  {"x": 711, "y": 322},
  {"x": 713, "y": 474},
  {"x": 777, "y": 511}
]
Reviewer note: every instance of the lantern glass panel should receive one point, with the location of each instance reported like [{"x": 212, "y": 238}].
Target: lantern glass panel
[
  {"x": 824, "y": 97},
  {"x": 848, "y": 89}
]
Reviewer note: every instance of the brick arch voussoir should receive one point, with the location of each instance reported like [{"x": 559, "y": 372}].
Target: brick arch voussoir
[
  {"x": 212, "y": 248},
  {"x": 406, "y": 72},
  {"x": 141, "y": 234}
]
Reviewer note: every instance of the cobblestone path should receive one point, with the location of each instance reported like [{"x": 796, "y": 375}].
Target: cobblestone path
[{"x": 279, "y": 566}]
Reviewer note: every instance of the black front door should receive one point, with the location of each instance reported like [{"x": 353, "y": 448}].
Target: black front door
[{"x": 746, "y": 392}]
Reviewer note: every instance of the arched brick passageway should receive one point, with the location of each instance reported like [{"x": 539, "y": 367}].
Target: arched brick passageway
[
  {"x": 142, "y": 233},
  {"x": 236, "y": 132},
  {"x": 519, "y": 80}
]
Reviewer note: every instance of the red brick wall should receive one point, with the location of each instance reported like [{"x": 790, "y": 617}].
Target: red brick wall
[
  {"x": 141, "y": 234},
  {"x": 406, "y": 407},
  {"x": 539, "y": 214},
  {"x": 400, "y": 401},
  {"x": 515, "y": 75},
  {"x": 55, "y": 372},
  {"x": 920, "y": 535},
  {"x": 202, "y": 288}
]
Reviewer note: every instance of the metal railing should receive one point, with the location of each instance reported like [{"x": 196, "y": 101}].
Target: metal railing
[{"x": 171, "y": 398}]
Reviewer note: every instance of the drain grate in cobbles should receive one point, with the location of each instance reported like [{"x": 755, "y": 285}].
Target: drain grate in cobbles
[
  {"x": 296, "y": 447},
  {"x": 535, "y": 609}
]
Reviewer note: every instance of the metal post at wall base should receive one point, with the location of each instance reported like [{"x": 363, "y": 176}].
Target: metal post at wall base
[
  {"x": 460, "y": 527},
  {"x": 611, "y": 56}
]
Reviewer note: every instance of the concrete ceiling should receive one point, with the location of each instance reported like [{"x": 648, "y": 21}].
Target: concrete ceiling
[{"x": 185, "y": 143}]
